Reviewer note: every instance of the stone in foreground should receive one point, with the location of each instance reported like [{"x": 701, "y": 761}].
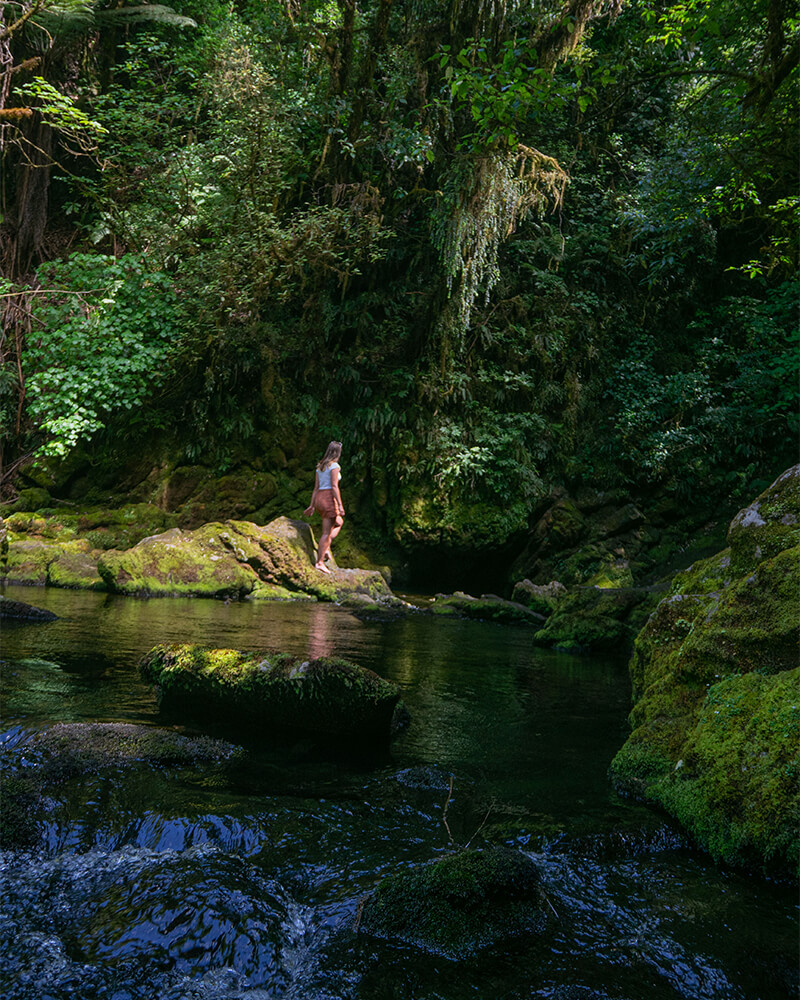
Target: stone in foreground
[
  {"x": 459, "y": 905},
  {"x": 331, "y": 698}
]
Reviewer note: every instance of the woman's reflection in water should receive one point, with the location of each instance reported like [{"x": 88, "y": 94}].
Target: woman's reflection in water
[{"x": 319, "y": 632}]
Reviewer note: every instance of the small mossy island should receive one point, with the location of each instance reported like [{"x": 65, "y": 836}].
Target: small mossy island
[
  {"x": 460, "y": 904},
  {"x": 716, "y": 719},
  {"x": 276, "y": 694}
]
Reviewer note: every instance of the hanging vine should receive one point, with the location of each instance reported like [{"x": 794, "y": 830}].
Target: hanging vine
[{"x": 483, "y": 201}]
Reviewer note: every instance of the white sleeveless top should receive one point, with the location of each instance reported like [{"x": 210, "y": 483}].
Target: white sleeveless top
[{"x": 325, "y": 476}]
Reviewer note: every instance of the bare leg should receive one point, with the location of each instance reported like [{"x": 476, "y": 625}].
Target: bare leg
[{"x": 324, "y": 544}]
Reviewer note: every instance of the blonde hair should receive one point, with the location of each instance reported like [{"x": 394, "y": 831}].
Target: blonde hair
[{"x": 332, "y": 454}]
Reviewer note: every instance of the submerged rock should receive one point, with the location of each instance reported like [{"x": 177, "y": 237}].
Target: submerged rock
[
  {"x": 20, "y": 611},
  {"x": 459, "y": 905},
  {"x": 279, "y": 693},
  {"x": 36, "y": 772},
  {"x": 716, "y": 720}
]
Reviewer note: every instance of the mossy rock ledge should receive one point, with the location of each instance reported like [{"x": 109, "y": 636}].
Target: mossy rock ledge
[
  {"x": 716, "y": 685},
  {"x": 487, "y": 607},
  {"x": 275, "y": 692},
  {"x": 461, "y": 904},
  {"x": 235, "y": 559}
]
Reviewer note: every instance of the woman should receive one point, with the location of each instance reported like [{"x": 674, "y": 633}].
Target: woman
[{"x": 327, "y": 500}]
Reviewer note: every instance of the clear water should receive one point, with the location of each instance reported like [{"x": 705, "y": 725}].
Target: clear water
[{"x": 248, "y": 882}]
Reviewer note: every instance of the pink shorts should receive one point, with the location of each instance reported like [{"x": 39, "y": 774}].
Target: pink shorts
[{"x": 326, "y": 505}]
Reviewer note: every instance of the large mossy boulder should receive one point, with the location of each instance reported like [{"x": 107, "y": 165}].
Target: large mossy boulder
[
  {"x": 276, "y": 693},
  {"x": 716, "y": 718},
  {"x": 234, "y": 559},
  {"x": 461, "y": 904},
  {"x": 598, "y": 619}
]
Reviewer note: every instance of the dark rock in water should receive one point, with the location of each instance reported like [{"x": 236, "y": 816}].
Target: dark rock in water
[
  {"x": 279, "y": 693},
  {"x": 461, "y": 904},
  {"x": 487, "y": 607},
  {"x": 109, "y": 744},
  {"x": 19, "y": 611},
  {"x": 36, "y": 770}
]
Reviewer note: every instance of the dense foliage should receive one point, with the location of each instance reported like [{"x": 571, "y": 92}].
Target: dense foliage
[{"x": 493, "y": 247}]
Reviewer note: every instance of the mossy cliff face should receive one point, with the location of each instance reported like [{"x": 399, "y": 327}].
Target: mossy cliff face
[
  {"x": 277, "y": 692},
  {"x": 459, "y": 905},
  {"x": 716, "y": 719}
]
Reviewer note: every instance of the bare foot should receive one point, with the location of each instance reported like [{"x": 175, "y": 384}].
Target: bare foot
[{"x": 322, "y": 568}]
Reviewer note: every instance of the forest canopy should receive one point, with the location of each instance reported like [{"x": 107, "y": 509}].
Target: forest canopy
[{"x": 494, "y": 246}]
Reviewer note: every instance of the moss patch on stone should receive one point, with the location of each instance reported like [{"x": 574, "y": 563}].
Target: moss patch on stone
[
  {"x": 278, "y": 692},
  {"x": 461, "y": 904}
]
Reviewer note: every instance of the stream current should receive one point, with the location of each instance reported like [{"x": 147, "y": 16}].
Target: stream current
[{"x": 192, "y": 883}]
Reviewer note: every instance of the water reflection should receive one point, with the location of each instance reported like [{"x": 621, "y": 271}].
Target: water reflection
[{"x": 293, "y": 841}]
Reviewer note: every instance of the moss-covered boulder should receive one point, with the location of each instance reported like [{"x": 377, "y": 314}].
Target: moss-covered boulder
[
  {"x": 541, "y": 598},
  {"x": 461, "y": 904},
  {"x": 235, "y": 559},
  {"x": 487, "y": 607},
  {"x": 769, "y": 525},
  {"x": 20, "y": 611},
  {"x": 594, "y": 619},
  {"x": 276, "y": 692},
  {"x": 716, "y": 718}
]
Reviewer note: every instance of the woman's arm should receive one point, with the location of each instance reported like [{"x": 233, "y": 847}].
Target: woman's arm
[
  {"x": 337, "y": 496},
  {"x": 310, "y": 509}
]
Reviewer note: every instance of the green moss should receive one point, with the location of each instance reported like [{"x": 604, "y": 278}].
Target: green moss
[
  {"x": 735, "y": 787},
  {"x": 461, "y": 904},
  {"x": 707, "y": 576},
  {"x": 174, "y": 563},
  {"x": 75, "y": 569},
  {"x": 27, "y": 563},
  {"x": 330, "y": 697},
  {"x": 542, "y": 599},
  {"x": 594, "y": 618},
  {"x": 272, "y": 592},
  {"x": 613, "y": 575},
  {"x": 485, "y": 608},
  {"x": 715, "y": 721},
  {"x": 769, "y": 525}
]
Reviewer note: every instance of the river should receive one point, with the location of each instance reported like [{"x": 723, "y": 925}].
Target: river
[{"x": 188, "y": 882}]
